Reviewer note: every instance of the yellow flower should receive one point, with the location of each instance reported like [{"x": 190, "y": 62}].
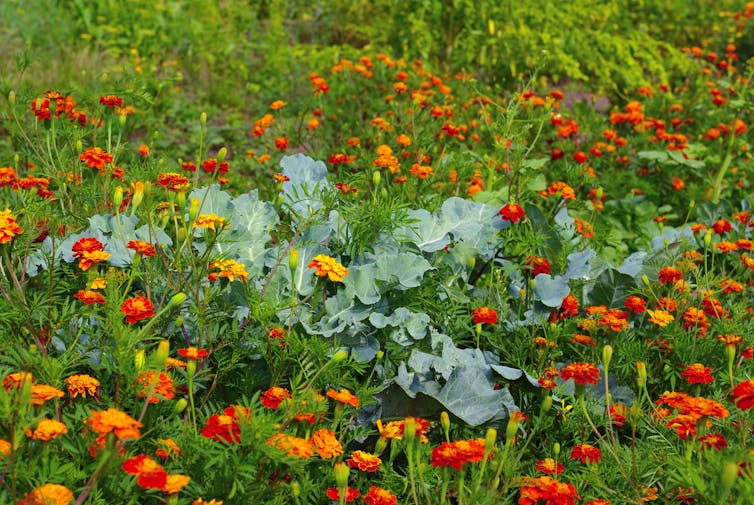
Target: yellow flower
[
  {"x": 327, "y": 266},
  {"x": 8, "y": 226},
  {"x": 48, "y": 429},
  {"x": 660, "y": 317},
  {"x": 211, "y": 221}
]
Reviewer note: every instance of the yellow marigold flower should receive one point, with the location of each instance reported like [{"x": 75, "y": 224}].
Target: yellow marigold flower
[
  {"x": 8, "y": 226},
  {"x": 175, "y": 483},
  {"x": 211, "y": 221},
  {"x": 98, "y": 283},
  {"x": 87, "y": 259},
  {"x": 40, "y": 393},
  {"x": 48, "y": 494},
  {"x": 660, "y": 317},
  {"x": 82, "y": 384},
  {"x": 47, "y": 429},
  {"x": 201, "y": 501},
  {"x": 327, "y": 266},
  {"x": 230, "y": 269},
  {"x": 325, "y": 443}
]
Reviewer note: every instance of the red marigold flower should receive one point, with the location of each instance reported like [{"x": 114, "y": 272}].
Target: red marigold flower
[
  {"x": 580, "y": 157},
  {"x": 538, "y": 490},
  {"x": 111, "y": 101},
  {"x": 274, "y": 396},
  {"x": 173, "y": 181},
  {"x": 684, "y": 425},
  {"x": 90, "y": 297},
  {"x": 617, "y": 414},
  {"x": 149, "y": 473},
  {"x": 193, "y": 353},
  {"x": 458, "y": 453},
  {"x": 697, "y": 374},
  {"x": 512, "y": 212},
  {"x": 379, "y": 496},
  {"x": 578, "y": 338},
  {"x": 86, "y": 244},
  {"x": 333, "y": 493},
  {"x": 669, "y": 275},
  {"x": 581, "y": 373},
  {"x": 166, "y": 448},
  {"x": 549, "y": 466},
  {"x": 694, "y": 318},
  {"x": 587, "y": 453},
  {"x": 598, "y": 501},
  {"x": 225, "y": 426},
  {"x": 142, "y": 247},
  {"x": 137, "y": 308},
  {"x": 722, "y": 226},
  {"x": 96, "y": 158},
  {"x": 635, "y": 304},
  {"x": 484, "y": 315},
  {"x": 743, "y": 394},
  {"x": 364, "y": 461},
  {"x": 281, "y": 143},
  {"x": 715, "y": 441},
  {"x": 343, "y": 396},
  {"x": 538, "y": 265}
]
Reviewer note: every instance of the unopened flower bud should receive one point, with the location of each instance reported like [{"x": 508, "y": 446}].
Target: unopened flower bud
[
  {"x": 12, "y": 98},
  {"x": 177, "y": 299},
  {"x": 341, "y": 472},
  {"x": 376, "y": 177},
  {"x": 203, "y": 118},
  {"x": 641, "y": 369},
  {"x": 409, "y": 430},
  {"x": 607, "y": 355},
  {"x": 140, "y": 359},
  {"x": 645, "y": 280},
  {"x": 490, "y": 439},
  {"x": 556, "y": 449},
  {"x": 728, "y": 477},
  {"x": 179, "y": 321},
  {"x": 180, "y": 405},
  {"x": 180, "y": 199},
  {"x": 445, "y": 422},
  {"x": 293, "y": 259},
  {"x": 295, "y": 489},
  {"x": 380, "y": 355},
  {"x": 380, "y": 446},
  {"x": 122, "y": 119},
  {"x": 221, "y": 154},
  {"x": 194, "y": 208},
  {"x": 339, "y": 356},
  {"x": 191, "y": 367},
  {"x": 79, "y": 146},
  {"x": 471, "y": 262},
  {"x": 546, "y": 405},
  {"x": 161, "y": 354},
  {"x": 117, "y": 197},
  {"x": 491, "y": 27},
  {"x": 707, "y": 238}
]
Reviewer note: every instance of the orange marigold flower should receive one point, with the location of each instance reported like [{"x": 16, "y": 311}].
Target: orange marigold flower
[
  {"x": 40, "y": 393},
  {"x": 90, "y": 297},
  {"x": 88, "y": 259},
  {"x": 17, "y": 380},
  {"x": 86, "y": 244},
  {"x": 743, "y": 394},
  {"x": 458, "y": 453},
  {"x": 615, "y": 320},
  {"x": 583, "y": 227},
  {"x": 715, "y": 441},
  {"x": 422, "y": 171},
  {"x": 174, "y": 483},
  {"x": 578, "y": 338},
  {"x": 333, "y": 493},
  {"x": 587, "y": 453},
  {"x": 669, "y": 275},
  {"x": 721, "y": 226},
  {"x": 512, "y": 212},
  {"x": 484, "y": 315},
  {"x": 230, "y": 269},
  {"x": 5, "y": 448},
  {"x": 343, "y": 396},
  {"x": 549, "y": 466},
  {"x": 115, "y": 421},
  {"x": 281, "y": 143},
  {"x": 598, "y": 501},
  {"x": 193, "y": 353},
  {"x": 142, "y": 247},
  {"x": 277, "y": 104},
  {"x": 327, "y": 266},
  {"x": 274, "y": 396},
  {"x": 660, "y": 317},
  {"x": 538, "y": 490},
  {"x": 364, "y": 461},
  {"x": 730, "y": 339},
  {"x": 166, "y": 448},
  {"x": 537, "y": 265},
  {"x": 684, "y": 425},
  {"x": 293, "y": 446},
  {"x": 581, "y": 373},
  {"x": 137, "y": 308},
  {"x": 96, "y": 158},
  {"x": 379, "y": 496},
  {"x": 325, "y": 443},
  {"x": 225, "y": 426},
  {"x": 8, "y": 226},
  {"x": 173, "y": 181},
  {"x": 155, "y": 385},
  {"x": 635, "y": 304},
  {"x": 48, "y": 429},
  {"x": 697, "y": 374},
  {"x": 48, "y": 494},
  {"x": 149, "y": 473},
  {"x": 82, "y": 385}
]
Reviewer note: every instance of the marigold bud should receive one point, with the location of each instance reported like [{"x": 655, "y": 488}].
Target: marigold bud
[
  {"x": 79, "y": 146},
  {"x": 341, "y": 472},
  {"x": 194, "y": 208},
  {"x": 177, "y": 299},
  {"x": 491, "y": 27},
  {"x": 180, "y": 199},
  {"x": 339, "y": 356},
  {"x": 645, "y": 280},
  {"x": 221, "y": 154},
  {"x": 641, "y": 369},
  {"x": 546, "y": 405},
  {"x": 179, "y": 321},
  {"x": 180, "y": 405},
  {"x": 295, "y": 489},
  {"x": 376, "y": 177},
  {"x": 607, "y": 355},
  {"x": 409, "y": 430},
  {"x": 445, "y": 422},
  {"x": 293, "y": 259},
  {"x": 556, "y": 449},
  {"x": 161, "y": 354},
  {"x": 203, "y": 118},
  {"x": 140, "y": 359},
  {"x": 490, "y": 439},
  {"x": 708, "y": 238},
  {"x": 380, "y": 446},
  {"x": 511, "y": 430},
  {"x": 12, "y": 98},
  {"x": 191, "y": 367},
  {"x": 117, "y": 197},
  {"x": 728, "y": 476}
]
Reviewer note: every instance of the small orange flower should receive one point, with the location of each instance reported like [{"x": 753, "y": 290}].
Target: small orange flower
[
  {"x": 327, "y": 266},
  {"x": 549, "y": 466},
  {"x": 581, "y": 373},
  {"x": 167, "y": 448},
  {"x": 379, "y": 496},
  {"x": 155, "y": 385},
  {"x": 149, "y": 473},
  {"x": 8, "y": 226},
  {"x": 294, "y": 446},
  {"x": 669, "y": 275},
  {"x": 41, "y": 393},
  {"x": 48, "y": 494},
  {"x": 141, "y": 247},
  {"x": 193, "y": 353},
  {"x": 325, "y": 443},
  {"x": 115, "y": 421},
  {"x": 743, "y": 394},
  {"x": 660, "y": 317},
  {"x": 364, "y": 461},
  {"x": 586, "y": 453},
  {"x": 277, "y": 105},
  {"x": 17, "y": 380},
  {"x": 281, "y": 143},
  {"x": 343, "y": 396},
  {"x": 512, "y": 212},
  {"x": 137, "y": 309},
  {"x": 274, "y": 396},
  {"x": 211, "y": 222},
  {"x": 173, "y": 181},
  {"x": 458, "y": 453},
  {"x": 174, "y": 483},
  {"x": 96, "y": 158},
  {"x": 90, "y": 297},
  {"x": 48, "y": 429},
  {"x": 333, "y": 493}
]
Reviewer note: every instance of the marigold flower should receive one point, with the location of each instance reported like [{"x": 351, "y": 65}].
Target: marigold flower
[
  {"x": 730, "y": 339},
  {"x": 333, "y": 493},
  {"x": 582, "y": 373},
  {"x": 379, "y": 496},
  {"x": 41, "y": 393},
  {"x": 364, "y": 461},
  {"x": 277, "y": 104},
  {"x": 48, "y": 494},
  {"x": 586, "y": 340},
  {"x": 715, "y": 441},
  {"x": 211, "y": 221},
  {"x": 90, "y": 297},
  {"x": 512, "y": 212},
  {"x": 174, "y": 483},
  {"x": 201, "y": 501},
  {"x": 230, "y": 269},
  {"x": 173, "y": 181},
  {"x": 111, "y": 101},
  {"x": 149, "y": 473},
  {"x": 694, "y": 318},
  {"x": 617, "y": 414},
  {"x": 96, "y": 158},
  {"x": 598, "y": 501},
  {"x": 142, "y": 247},
  {"x": 193, "y": 353},
  {"x": 669, "y": 275},
  {"x": 458, "y": 453},
  {"x": 660, "y": 317},
  {"x": 537, "y": 490},
  {"x": 549, "y": 466},
  {"x": 137, "y": 309},
  {"x": 8, "y": 226},
  {"x": 421, "y": 171},
  {"x": 743, "y": 394},
  {"x": 88, "y": 259},
  {"x": 587, "y": 453},
  {"x": 684, "y": 425},
  {"x": 484, "y": 315},
  {"x": 325, "y": 443},
  {"x": 225, "y": 426},
  {"x": 166, "y": 448},
  {"x": 48, "y": 429},
  {"x": 281, "y": 143},
  {"x": 5, "y": 447},
  {"x": 115, "y": 421},
  {"x": 327, "y": 266},
  {"x": 86, "y": 244},
  {"x": 697, "y": 374},
  {"x": 537, "y": 265},
  {"x": 721, "y": 226},
  {"x": 17, "y": 380},
  {"x": 274, "y": 396},
  {"x": 294, "y": 446},
  {"x": 635, "y": 304},
  {"x": 155, "y": 385},
  {"x": 343, "y": 396}
]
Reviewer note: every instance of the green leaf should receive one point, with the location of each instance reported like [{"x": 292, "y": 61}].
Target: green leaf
[{"x": 611, "y": 289}]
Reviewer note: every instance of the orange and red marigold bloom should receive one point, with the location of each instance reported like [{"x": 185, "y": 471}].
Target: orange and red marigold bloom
[
  {"x": 137, "y": 309},
  {"x": 364, "y": 461},
  {"x": 156, "y": 386},
  {"x": 8, "y": 226},
  {"x": 114, "y": 421},
  {"x": 90, "y": 297},
  {"x": 48, "y": 494},
  {"x": 546, "y": 490},
  {"x": 587, "y": 453},
  {"x": 325, "y": 443},
  {"x": 193, "y": 353},
  {"x": 343, "y": 396},
  {"x": 458, "y": 453},
  {"x": 333, "y": 493},
  {"x": 82, "y": 385},
  {"x": 327, "y": 266},
  {"x": 149, "y": 473},
  {"x": 743, "y": 394},
  {"x": 274, "y": 396},
  {"x": 581, "y": 373},
  {"x": 225, "y": 426},
  {"x": 512, "y": 212},
  {"x": 95, "y": 157},
  {"x": 142, "y": 247},
  {"x": 698, "y": 374},
  {"x": 484, "y": 315},
  {"x": 379, "y": 496}
]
